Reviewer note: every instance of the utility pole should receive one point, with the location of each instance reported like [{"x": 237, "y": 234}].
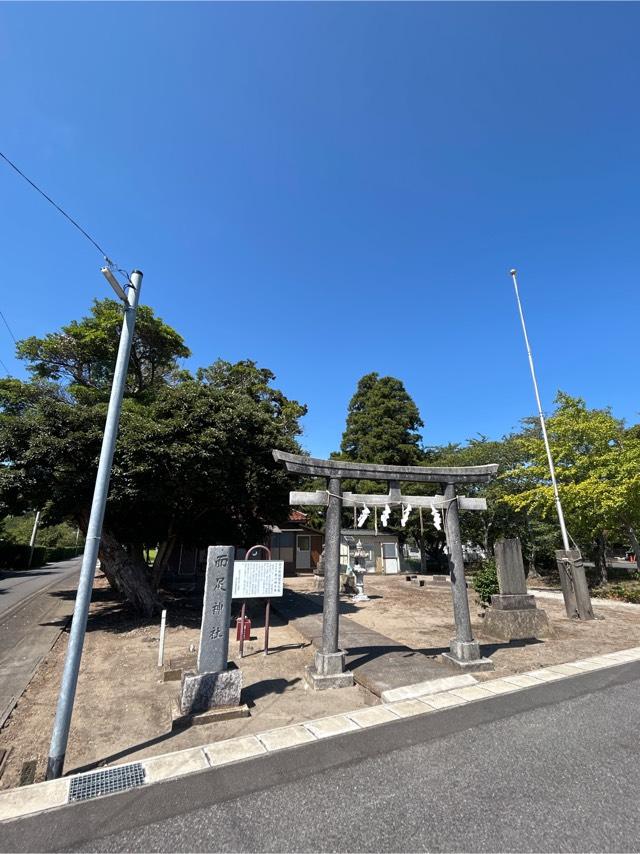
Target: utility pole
[
  {"x": 60, "y": 734},
  {"x": 32, "y": 541},
  {"x": 543, "y": 425}
]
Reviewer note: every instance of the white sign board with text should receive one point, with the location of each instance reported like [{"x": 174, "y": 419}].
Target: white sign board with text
[{"x": 254, "y": 579}]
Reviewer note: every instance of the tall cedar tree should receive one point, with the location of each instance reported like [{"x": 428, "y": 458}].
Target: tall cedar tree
[{"x": 383, "y": 424}]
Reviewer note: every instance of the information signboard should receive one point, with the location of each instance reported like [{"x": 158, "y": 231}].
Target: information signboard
[{"x": 253, "y": 579}]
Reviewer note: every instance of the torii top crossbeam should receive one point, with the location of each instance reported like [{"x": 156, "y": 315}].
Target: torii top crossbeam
[{"x": 371, "y": 471}]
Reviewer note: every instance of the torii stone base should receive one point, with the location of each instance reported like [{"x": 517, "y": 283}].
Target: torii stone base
[
  {"x": 328, "y": 671},
  {"x": 466, "y": 656}
]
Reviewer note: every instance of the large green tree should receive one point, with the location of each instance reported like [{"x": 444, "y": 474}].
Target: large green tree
[
  {"x": 82, "y": 354},
  {"x": 193, "y": 458},
  {"x": 383, "y": 424},
  {"x": 598, "y": 471}
]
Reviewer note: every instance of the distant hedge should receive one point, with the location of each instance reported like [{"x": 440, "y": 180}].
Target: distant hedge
[
  {"x": 61, "y": 553},
  {"x": 13, "y": 556}
]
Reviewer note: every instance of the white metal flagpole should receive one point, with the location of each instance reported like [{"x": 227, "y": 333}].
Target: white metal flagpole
[{"x": 552, "y": 470}]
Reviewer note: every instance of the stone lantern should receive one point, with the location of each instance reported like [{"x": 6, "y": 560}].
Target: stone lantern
[{"x": 359, "y": 569}]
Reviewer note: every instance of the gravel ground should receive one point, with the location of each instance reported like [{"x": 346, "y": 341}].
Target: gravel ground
[{"x": 123, "y": 710}]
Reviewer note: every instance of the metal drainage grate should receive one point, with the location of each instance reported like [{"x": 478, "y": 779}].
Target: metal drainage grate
[{"x": 106, "y": 782}]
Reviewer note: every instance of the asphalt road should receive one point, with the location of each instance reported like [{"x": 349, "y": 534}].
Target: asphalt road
[
  {"x": 17, "y": 585},
  {"x": 34, "y": 605},
  {"x": 552, "y": 768}
]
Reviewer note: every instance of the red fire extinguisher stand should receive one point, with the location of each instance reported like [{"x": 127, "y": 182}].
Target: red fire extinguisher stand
[
  {"x": 243, "y": 629},
  {"x": 245, "y": 621}
]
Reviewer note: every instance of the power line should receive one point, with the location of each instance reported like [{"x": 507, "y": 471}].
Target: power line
[
  {"x": 6, "y": 323},
  {"x": 6, "y": 369},
  {"x": 63, "y": 212}
]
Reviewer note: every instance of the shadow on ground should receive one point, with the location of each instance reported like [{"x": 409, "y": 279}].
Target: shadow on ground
[
  {"x": 114, "y": 615},
  {"x": 268, "y": 686},
  {"x": 9, "y": 575},
  {"x": 363, "y": 655}
]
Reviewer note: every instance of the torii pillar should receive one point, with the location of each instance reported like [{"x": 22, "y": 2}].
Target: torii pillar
[
  {"x": 464, "y": 650},
  {"x": 328, "y": 670}
]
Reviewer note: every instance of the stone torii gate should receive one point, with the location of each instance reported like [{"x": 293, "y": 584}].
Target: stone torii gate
[{"x": 328, "y": 669}]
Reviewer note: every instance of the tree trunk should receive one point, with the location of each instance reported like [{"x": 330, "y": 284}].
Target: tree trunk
[
  {"x": 531, "y": 562},
  {"x": 165, "y": 550},
  {"x": 420, "y": 541},
  {"x": 601, "y": 558},
  {"x": 532, "y": 552},
  {"x": 127, "y": 573},
  {"x": 488, "y": 550},
  {"x": 635, "y": 545}
]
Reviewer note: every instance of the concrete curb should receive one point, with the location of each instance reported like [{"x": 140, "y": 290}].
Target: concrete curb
[{"x": 39, "y": 797}]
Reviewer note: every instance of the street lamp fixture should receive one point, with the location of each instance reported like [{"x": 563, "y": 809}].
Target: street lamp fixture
[{"x": 115, "y": 284}]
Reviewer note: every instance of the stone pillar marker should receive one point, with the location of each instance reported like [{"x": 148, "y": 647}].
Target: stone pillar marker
[
  {"x": 215, "y": 685},
  {"x": 213, "y": 650},
  {"x": 513, "y": 614},
  {"x": 464, "y": 650}
]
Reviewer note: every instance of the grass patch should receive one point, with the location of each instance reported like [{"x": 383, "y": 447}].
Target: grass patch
[{"x": 625, "y": 591}]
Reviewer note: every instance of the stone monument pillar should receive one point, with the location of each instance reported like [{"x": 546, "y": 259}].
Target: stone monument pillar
[
  {"x": 464, "y": 650},
  {"x": 513, "y": 614},
  {"x": 328, "y": 670},
  {"x": 215, "y": 685}
]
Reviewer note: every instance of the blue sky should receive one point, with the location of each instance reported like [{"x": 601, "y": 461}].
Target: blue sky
[{"x": 333, "y": 189}]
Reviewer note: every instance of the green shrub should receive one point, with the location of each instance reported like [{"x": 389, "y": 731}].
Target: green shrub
[
  {"x": 61, "y": 553},
  {"x": 485, "y": 581},
  {"x": 622, "y": 592},
  {"x": 14, "y": 556}
]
